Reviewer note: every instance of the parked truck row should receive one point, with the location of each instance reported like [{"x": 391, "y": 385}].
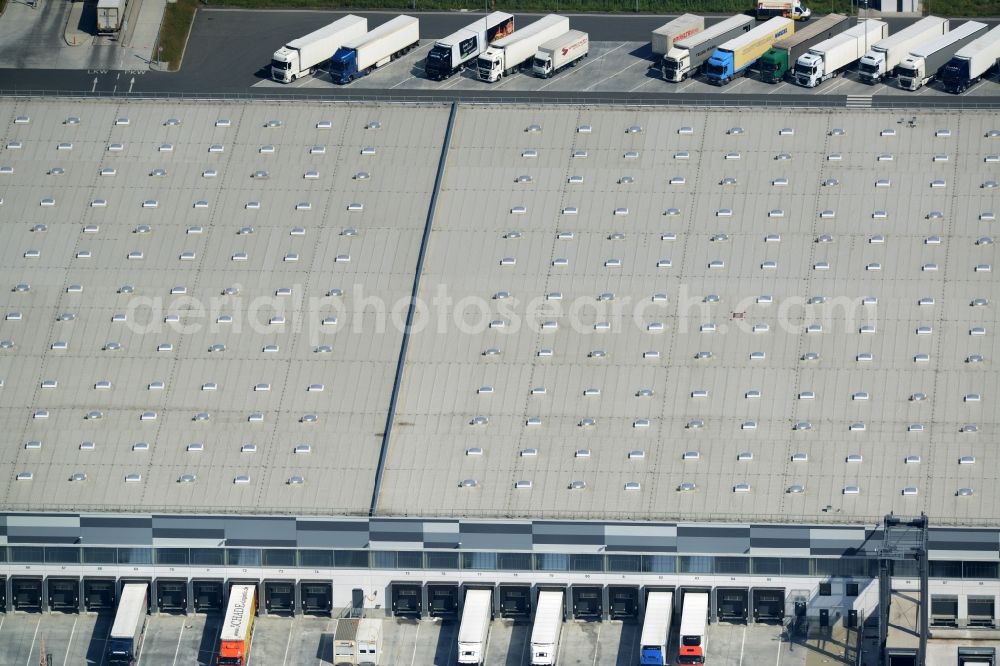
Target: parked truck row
[{"x": 682, "y": 48}]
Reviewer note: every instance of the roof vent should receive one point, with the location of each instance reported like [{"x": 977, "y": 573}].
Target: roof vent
[
  {"x": 296, "y": 480},
  {"x": 686, "y": 487},
  {"x": 523, "y": 484},
  {"x": 632, "y": 485},
  {"x": 741, "y": 488},
  {"x": 468, "y": 483},
  {"x": 578, "y": 485}
]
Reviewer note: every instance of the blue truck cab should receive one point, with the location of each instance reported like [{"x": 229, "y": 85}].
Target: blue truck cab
[
  {"x": 652, "y": 655},
  {"x": 720, "y": 67},
  {"x": 344, "y": 65}
]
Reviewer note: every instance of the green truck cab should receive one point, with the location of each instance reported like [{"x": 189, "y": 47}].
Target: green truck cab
[{"x": 773, "y": 65}]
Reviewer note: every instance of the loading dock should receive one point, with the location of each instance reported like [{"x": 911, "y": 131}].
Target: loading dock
[
  {"x": 623, "y": 602},
  {"x": 406, "y": 599},
  {"x": 317, "y": 598},
  {"x": 64, "y": 594},
  {"x": 3, "y": 595},
  {"x": 279, "y": 597},
  {"x": 768, "y": 605},
  {"x": 171, "y": 595},
  {"x": 26, "y": 594},
  {"x": 588, "y": 602},
  {"x": 515, "y": 601},
  {"x": 732, "y": 603},
  {"x": 208, "y": 595},
  {"x": 98, "y": 594},
  {"x": 442, "y": 599}
]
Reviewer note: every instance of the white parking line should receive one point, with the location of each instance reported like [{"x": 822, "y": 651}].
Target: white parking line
[
  {"x": 288, "y": 644},
  {"x": 413, "y": 657},
  {"x": 778, "y": 86},
  {"x": 597, "y": 83},
  {"x": 584, "y": 65},
  {"x": 780, "y": 645},
  {"x": 597, "y": 642},
  {"x": 178, "y": 648},
  {"x": 743, "y": 643},
  {"x": 70, "y": 641},
  {"x": 836, "y": 84},
  {"x": 33, "y": 638},
  {"x": 736, "y": 85}
]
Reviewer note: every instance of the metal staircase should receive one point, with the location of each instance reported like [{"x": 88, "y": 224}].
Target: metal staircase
[{"x": 903, "y": 540}]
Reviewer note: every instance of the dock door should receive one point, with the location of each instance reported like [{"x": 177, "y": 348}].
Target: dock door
[
  {"x": 731, "y": 604},
  {"x": 406, "y": 599},
  {"x": 64, "y": 594},
  {"x": 768, "y": 605},
  {"x": 26, "y": 594},
  {"x": 317, "y": 597},
  {"x": 208, "y": 595},
  {"x": 515, "y": 601},
  {"x": 98, "y": 594},
  {"x": 442, "y": 599},
  {"x": 588, "y": 602},
  {"x": 623, "y": 601}
]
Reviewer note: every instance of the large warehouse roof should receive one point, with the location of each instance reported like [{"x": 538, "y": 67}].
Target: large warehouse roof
[
  {"x": 151, "y": 200},
  {"x": 603, "y": 294}
]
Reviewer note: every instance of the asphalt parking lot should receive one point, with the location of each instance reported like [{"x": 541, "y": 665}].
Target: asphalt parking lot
[
  {"x": 193, "y": 639},
  {"x": 615, "y": 67}
]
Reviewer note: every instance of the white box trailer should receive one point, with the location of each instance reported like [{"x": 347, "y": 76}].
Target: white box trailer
[
  {"x": 474, "y": 630},
  {"x": 110, "y": 16},
  {"x": 883, "y": 57},
  {"x": 124, "y": 643},
  {"x": 689, "y": 54},
  {"x": 361, "y": 56},
  {"x": 302, "y": 56},
  {"x": 656, "y": 627},
  {"x": 972, "y": 61},
  {"x": 559, "y": 53},
  {"x": 682, "y": 27},
  {"x": 512, "y": 52},
  {"x": 924, "y": 62},
  {"x": 828, "y": 58},
  {"x": 450, "y": 54},
  {"x": 547, "y": 628}
]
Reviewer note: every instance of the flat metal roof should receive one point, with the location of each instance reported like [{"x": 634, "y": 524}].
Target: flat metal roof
[
  {"x": 261, "y": 406},
  {"x": 623, "y": 232},
  {"x": 749, "y": 189}
]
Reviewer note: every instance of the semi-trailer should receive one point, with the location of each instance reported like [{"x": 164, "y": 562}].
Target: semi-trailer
[
  {"x": 237, "y": 626},
  {"x": 971, "y": 62},
  {"x": 781, "y": 57},
  {"x": 882, "y": 58},
  {"x": 125, "y": 640},
  {"x": 688, "y": 55},
  {"x": 518, "y": 49},
  {"x": 451, "y": 54},
  {"x": 924, "y": 63},
  {"x": 559, "y": 53},
  {"x": 363, "y": 55},
  {"x": 793, "y": 9},
  {"x": 682, "y": 27},
  {"x": 110, "y": 16},
  {"x": 656, "y": 628},
  {"x": 694, "y": 614},
  {"x": 302, "y": 56},
  {"x": 735, "y": 57},
  {"x": 828, "y": 58},
  {"x": 474, "y": 629},
  {"x": 547, "y": 628}
]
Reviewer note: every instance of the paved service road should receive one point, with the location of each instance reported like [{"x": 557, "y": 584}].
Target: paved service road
[{"x": 230, "y": 50}]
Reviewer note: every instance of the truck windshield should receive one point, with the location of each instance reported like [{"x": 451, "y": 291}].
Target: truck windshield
[
  {"x": 691, "y": 640},
  {"x": 438, "y": 54},
  {"x": 868, "y": 68},
  {"x": 484, "y": 63},
  {"x": 538, "y": 63},
  {"x": 234, "y": 661},
  {"x": 768, "y": 66},
  {"x": 805, "y": 70},
  {"x": 278, "y": 64},
  {"x": 338, "y": 66},
  {"x": 718, "y": 70}
]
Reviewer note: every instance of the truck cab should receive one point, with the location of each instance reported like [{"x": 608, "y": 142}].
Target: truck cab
[
  {"x": 490, "y": 65},
  {"x": 284, "y": 62},
  {"x": 344, "y": 65},
  {"x": 809, "y": 70},
  {"x": 871, "y": 68},
  {"x": 675, "y": 65},
  {"x": 911, "y": 73},
  {"x": 541, "y": 65},
  {"x": 719, "y": 68},
  {"x": 773, "y": 65}
]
